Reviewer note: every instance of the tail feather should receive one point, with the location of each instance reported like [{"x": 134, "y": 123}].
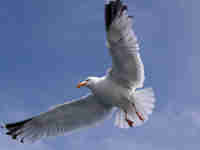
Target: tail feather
[
  {"x": 119, "y": 121},
  {"x": 144, "y": 104},
  {"x": 144, "y": 100}
]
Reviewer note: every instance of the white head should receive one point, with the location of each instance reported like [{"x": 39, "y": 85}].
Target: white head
[{"x": 90, "y": 82}]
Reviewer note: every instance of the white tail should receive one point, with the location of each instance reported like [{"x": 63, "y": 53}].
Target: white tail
[{"x": 144, "y": 103}]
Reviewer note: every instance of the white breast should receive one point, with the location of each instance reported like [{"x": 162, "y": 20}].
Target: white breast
[{"x": 112, "y": 93}]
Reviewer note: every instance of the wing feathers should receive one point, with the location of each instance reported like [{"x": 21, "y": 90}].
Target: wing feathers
[
  {"x": 127, "y": 67},
  {"x": 64, "y": 118}
]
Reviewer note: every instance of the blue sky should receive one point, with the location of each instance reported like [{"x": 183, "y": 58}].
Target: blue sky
[{"x": 48, "y": 46}]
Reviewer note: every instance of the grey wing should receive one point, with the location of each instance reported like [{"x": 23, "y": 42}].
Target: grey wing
[
  {"x": 63, "y": 118},
  {"x": 127, "y": 66}
]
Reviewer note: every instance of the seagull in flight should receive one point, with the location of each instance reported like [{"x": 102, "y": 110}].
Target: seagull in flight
[{"x": 117, "y": 89}]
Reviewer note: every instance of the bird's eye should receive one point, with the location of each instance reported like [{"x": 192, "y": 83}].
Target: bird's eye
[{"x": 87, "y": 80}]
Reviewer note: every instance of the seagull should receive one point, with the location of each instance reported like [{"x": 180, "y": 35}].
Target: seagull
[{"x": 121, "y": 88}]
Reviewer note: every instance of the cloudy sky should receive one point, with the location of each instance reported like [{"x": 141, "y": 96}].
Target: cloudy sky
[{"x": 46, "y": 47}]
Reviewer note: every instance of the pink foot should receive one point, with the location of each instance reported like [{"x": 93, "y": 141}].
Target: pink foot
[
  {"x": 140, "y": 116},
  {"x": 130, "y": 123}
]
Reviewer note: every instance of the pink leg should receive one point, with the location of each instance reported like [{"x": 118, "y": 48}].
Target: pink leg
[
  {"x": 138, "y": 114},
  {"x": 130, "y": 123}
]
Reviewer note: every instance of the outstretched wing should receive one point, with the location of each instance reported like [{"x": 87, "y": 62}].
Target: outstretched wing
[
  {"x": 127, "y": 66},
  {"x": 63, "y": 118}
]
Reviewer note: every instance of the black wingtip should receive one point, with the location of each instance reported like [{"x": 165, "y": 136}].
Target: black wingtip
[
  {"x": 16, "y": 124},
  {"x": 14, "y": 127},
  {"x": 112, "y": 8}
]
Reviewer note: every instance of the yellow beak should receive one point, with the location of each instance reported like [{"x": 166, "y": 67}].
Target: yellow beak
[{"x": 83, "y": 83}]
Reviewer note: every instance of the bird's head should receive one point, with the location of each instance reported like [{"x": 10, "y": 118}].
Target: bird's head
[{"x": 89, "y": 82}]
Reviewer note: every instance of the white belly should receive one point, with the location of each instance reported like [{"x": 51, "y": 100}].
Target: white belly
[{"x": 112, "y": 93}]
